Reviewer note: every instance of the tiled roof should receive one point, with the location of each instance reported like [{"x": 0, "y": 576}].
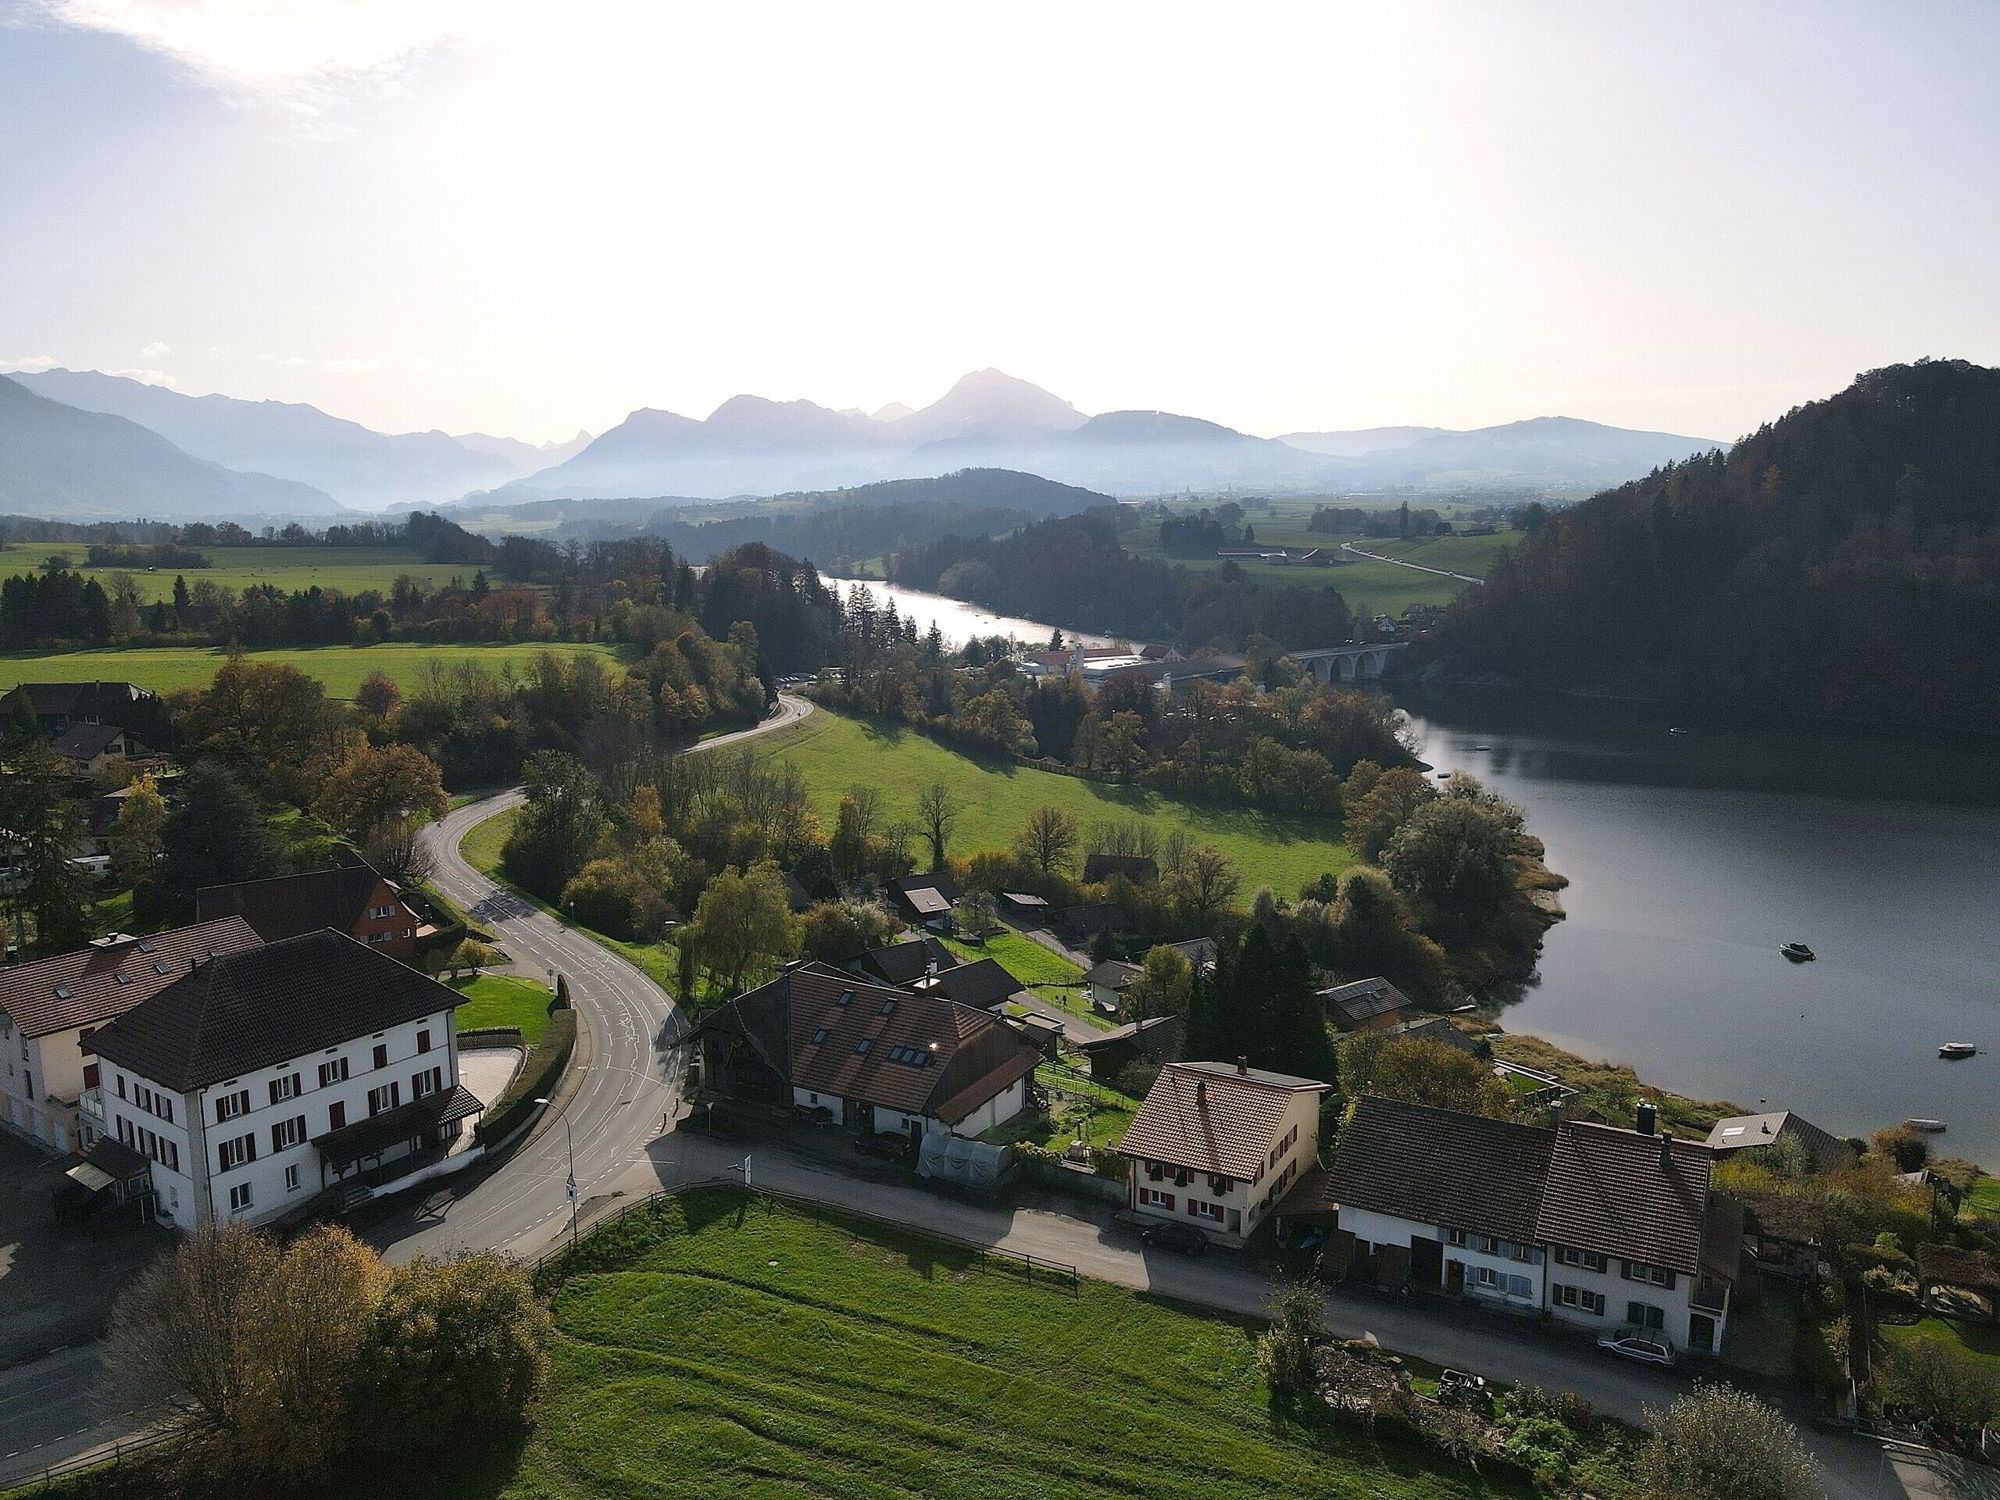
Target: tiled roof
[
  {"x": 92, "y": 985},
  {"x": 1112, "y": 974},
  {"x": 86, "y": 741},
  {"x": 1129, "y": 1032},
  {"x": 982, "y": 984},
  {"x": 927, "y": 900},
  {"x": 1437, "y": 1166},
  {"x": 923, "y": 1054},
  {"x": 1439, "y": 1029},
  {"x": 288, "y": 905},
  {"x": 906, "y": 963},
  {"x": 1640, "y": 1197},
  {"x": 1365, "y": 998},
  {"x": 1093, "y": 915},
  {"x": 265, "y": 1005},
  {"x": 1745, "y": 1132},
  {"x": 1212, "y": 1118}
]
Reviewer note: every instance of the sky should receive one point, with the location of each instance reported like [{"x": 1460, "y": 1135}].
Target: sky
[{"x": 524, "y": 219}]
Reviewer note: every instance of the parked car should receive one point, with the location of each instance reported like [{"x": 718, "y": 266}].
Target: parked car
[
  {"x": 1646, "y": 1345},
  {"x": 1184, "y": 1238}
]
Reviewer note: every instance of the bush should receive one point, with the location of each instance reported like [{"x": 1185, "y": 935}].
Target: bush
[
  {"x": 1719, "y": 1443},
  {"x": 536, "y": 1080},
  {"x": 612, "y": 896}
]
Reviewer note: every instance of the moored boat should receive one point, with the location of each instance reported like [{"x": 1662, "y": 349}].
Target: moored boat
[
  {"x": 1957, "y": 1049},
  {"x": 1928, "y": 1127},
  {"x": 1798, "y": 953}
]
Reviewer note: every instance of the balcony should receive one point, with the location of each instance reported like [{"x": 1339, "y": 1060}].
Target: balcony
[
  {"x": 1710, "y": 1296},
  {"x": 91, "y": 1102}
]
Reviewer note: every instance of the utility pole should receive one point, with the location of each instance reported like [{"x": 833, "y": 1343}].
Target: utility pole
[{"x": 569, "y": 1142}]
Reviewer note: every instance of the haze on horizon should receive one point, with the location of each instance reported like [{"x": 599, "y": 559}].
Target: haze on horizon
[{"x": 498, "y": 217}]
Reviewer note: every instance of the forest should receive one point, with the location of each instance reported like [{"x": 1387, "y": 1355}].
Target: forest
[{"x": 1842, "y": 562}]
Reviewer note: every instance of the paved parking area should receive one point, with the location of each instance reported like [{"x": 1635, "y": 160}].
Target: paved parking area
[{"x": 57, "y": 1279}]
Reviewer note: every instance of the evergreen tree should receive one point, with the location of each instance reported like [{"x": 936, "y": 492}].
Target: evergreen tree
[{"x": 218, "y": 835}]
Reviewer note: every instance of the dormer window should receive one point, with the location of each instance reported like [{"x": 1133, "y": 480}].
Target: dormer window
[{"x": 889, "y": 1006}]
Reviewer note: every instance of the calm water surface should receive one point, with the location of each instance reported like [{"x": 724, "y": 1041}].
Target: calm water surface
[
  {"x": 1693, "y": 856},
  {"x": 958, "y": 620}
]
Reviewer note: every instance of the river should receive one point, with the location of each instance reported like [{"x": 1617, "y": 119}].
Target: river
[{"x": 1693, "y": 856}]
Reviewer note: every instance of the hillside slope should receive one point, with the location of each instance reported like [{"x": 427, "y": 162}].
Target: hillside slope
[
  {"x": 1843, "y": 561},
  {"x": 59, "y": 461}
]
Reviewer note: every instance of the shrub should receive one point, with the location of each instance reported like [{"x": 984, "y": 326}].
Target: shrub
[
  {"x": 612, "y": 896},
  {"x": 1719, "y": 1443}
]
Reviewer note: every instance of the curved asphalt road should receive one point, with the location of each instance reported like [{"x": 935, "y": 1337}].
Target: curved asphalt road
[{"x": 48, "y": 1408}]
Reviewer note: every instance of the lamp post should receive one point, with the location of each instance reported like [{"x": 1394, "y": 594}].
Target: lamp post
[{"x": 569, "y": 1141}]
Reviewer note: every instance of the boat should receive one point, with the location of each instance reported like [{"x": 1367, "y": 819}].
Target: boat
[
  {"x": 1798, "y": 953},
  {"x": 1928, "y": 1127},
  {"x": 1676, "y": 730},
  {"x": 1957, "y": 1049},
  {"x": 1482, "y": 747}
]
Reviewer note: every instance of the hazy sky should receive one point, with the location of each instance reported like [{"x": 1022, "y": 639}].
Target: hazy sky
[{"x": 527, "y": 218}]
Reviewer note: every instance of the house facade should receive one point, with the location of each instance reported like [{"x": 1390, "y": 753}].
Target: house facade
[
  {"x": 353, "y": 899},
  {"x": 1217, "y": 1145},
  {"x": 1590, "y": 1224},
  {"x": 267, "y": 1075},
  {"x": 51, "y": 1007}
]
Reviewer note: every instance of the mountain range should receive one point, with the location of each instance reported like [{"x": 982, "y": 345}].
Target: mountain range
[{"x": 284, "y": 460}]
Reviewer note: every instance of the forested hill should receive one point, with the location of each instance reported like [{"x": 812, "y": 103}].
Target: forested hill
[{"x": 1843, "y": 561}]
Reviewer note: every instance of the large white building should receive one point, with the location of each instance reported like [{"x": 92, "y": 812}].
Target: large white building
[
  {"x": 1218, "y": 1145},
  {"x": 50, "y": 1007},
  {"x": 262, "y": 1076}
]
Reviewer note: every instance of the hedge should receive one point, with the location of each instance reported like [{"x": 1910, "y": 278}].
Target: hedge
[{"x": 536, "y": 1080}]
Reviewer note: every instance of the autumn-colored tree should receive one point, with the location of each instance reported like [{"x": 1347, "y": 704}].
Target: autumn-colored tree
[
  {"x": 744, "y": 917},
  {"x": 370, "y": 787},
  {"x": 135, "y": 837}
]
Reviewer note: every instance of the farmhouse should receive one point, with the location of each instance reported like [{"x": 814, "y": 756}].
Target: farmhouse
[
  {"x": 261, "y": 1076},
  {"x": 1217, "y": 1144},
  {"x": 1591, "y": 1224},
  {"x": 353, "y": 899},
  {"x": 925, "y": 900},
  {"x": 872, "y": 1058},
  {"x": 49, "y": 1008}
]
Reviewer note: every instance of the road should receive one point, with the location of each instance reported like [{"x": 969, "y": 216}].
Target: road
[
  {"x": 48, "y": 1408},
  {"x": 1417, "y": 567}
]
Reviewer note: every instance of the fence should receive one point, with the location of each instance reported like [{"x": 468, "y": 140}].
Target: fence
[
  {"x": 97, "y": 1458},
  {"x": 551, "y": 1269}
]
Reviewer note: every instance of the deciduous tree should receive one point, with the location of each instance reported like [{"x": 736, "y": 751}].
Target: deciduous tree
[
  {"x": 371, "y": 787},
  {"x": 937, "y": 814},
  {"x": 1048, "y": 843},
  {"x": 1720, "y": 1443},
  {"x": 743, "y": 917}
]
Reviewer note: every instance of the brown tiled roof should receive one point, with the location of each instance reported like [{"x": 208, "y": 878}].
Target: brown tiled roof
[
  {"x": 1437, "y": 1166},
  {"x": 1614, "y": 1191},
  {"x": 1211, "y": 1118},
  {"x": 289, "y": 905},
  {"x": 924, "y": 1054},
  {"x": 92, "y": 985},
  {"x": 265, "y": 1005}
]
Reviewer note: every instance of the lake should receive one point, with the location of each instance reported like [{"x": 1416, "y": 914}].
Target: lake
[
  {"x": 957, "y": 620},
  {"x": 1693, "y": 856}
]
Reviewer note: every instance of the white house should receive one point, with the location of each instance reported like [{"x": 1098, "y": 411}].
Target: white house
[
  {"x": 1590, "y": 1224},
  {"x": 48, "y": 1008},
  {"x": 265, "y": 1075},
  {"x": 875, "y": 1059},
  {"x": 1217, "y": 1145}
]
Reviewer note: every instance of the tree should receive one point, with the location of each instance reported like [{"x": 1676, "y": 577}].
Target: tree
[
  {"x": 1720, "y": 1443},
  {"x": 559, "y": 827},
  {"x": 1457, "y": 858},
  {"x": 218, "y": 835},
  {"x": 1298, "y": 1321},
  {"x": 455, "y": 1348},
  {"x": 472, "y": 955},
  {"x": 370, "y": 787},
  {"x": 612, "y": 896},
  {"x": 1420, "y": 1072},
  {"x": 1373, "y": 818},
  {"x": 837, "y": 932},
  {"x": 397, "y": 848},
  {"x": 378, "y": 696},
  {"x": 135, "y": 837},
  {"x": 743, "y": 917},
  {"x": 1204, "y": 886},
  {"x": 937, "y": 814},
  {"x": 1161, "y": 987},
  {"x": 270, "y": 722},
  {"x": 1937, "y": 1385},
  {"x": 1369, "y": 930},
  {"x": 46, "y": 824},
  {"x": 1048, "y": 843}
]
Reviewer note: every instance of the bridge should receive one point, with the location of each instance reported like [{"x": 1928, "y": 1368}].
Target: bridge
[{"x": 1347, "y": 663}]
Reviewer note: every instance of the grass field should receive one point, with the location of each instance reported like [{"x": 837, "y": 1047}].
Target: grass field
[
  {"x": 341, "y": 668},
  {"x": 352, "y": 570},
  {"x": 1982, "y": 1343},
  {"x": 736, "y": 1348},
  {"x": 1985, "y": 1196},
  {"x": 1374, "y": 586},
  {"x": 1024, "y": 958},
  {"x": 995, "y": 798},
  {"x": 501, "y": 1000}
]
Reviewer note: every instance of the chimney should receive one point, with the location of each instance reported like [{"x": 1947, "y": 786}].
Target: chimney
[
  {"x": 1242, "y": 1067},
  {"x": 1666, "y": 1153},
  {"x": 1556, "y": 1112},
  {"x": 1648, "y": 1117}
]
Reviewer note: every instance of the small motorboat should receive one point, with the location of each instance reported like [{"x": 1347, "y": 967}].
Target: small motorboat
[
  {"x": 1957, "y": 1049},
  {"x": 1798, "y": 953},
  {"x": 1676, "y": 730},
  {"x": 1928, "y": 1127},
  {"x": 1482, "y": 747}
]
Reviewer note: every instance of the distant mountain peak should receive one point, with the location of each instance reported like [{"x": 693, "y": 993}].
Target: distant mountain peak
[
  {"x": 992, "y": 405},
  {"x": 895, "y": 411}
]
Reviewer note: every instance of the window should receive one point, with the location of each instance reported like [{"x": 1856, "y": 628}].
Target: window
[
  {"x": 1580, "y": 1298},
  {"x": 845, "y": 998},
  {"x": 1200, "y": 1210},
  {"x": 239, "y": 1197},
  {"x": 120, "y": 1080},
  {"x": 1154, "y": 1198},
  {"x": 288, "y": 1133},
  {"x": 1520, "y": 1286},
  {"x": 889, "y": 1006},
  {"x": 1590, "y": 1260},
  {"x": 1484, "y": 1277},
  {"x": 284, "y": 1088},
  {"x": 388, "y": 1096},
  {"x": 864, "y": 1045},
  {"x": 379, "y": 912},
  {"x": 1644, "y": 1315},
  {"x": 237, "y": 1152},
  {"x": 292, "y": 1178},
  {"x": 1635, "y": 1270},
  {"x": 427, "y": 1082},
  {"x": 381, "y": 1054},
  {"x": 336, "y": 1116},
  {"x": 819, "y": 1035},
  {"x": 423, "y": 1042},
  {"x": 333, "y": 1072}
]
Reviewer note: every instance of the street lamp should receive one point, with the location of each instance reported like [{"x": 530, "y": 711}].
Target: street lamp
[{"x": 569, "y": 1141}]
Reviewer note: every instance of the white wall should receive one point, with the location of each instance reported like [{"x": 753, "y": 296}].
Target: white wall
[
  {"x": 52, "y": 1067},
  {"x": 1001, "y": 1108},
  {"x": 1676, "y": 1302},
  {"x": 1388, "y": 1229},
  {"x": 807, "y": 1099},
  {"x": 200, "y": 1135},
  {"x": 1250, "y": 1202}
]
